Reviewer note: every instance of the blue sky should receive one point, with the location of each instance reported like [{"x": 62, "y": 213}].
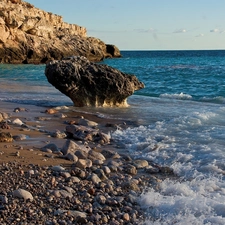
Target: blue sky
[{"x": 146, "y": 24}]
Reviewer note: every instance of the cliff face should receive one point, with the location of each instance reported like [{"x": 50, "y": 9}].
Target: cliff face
[{"x": 31, "y": 35}]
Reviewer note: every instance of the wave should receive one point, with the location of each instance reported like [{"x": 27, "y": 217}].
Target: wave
[
  {"x": 217, "y": 99},
  {"x": 176, "y": 96}
]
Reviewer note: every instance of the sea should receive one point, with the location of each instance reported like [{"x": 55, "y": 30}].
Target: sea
[{"x": 180, "y": 123}]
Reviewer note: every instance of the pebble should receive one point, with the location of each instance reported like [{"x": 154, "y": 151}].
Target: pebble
[
  {"x": 93, "y": 155},
  {"x": 70, "y": 196},
  {"x": 100, "y": 186},
  {"x": 70, "y": 147},
  {"x": 58, "y": 168},
  {"x": 83, "y": 163},
  {"x": 140, "y": 163},
  {"x": 72, "y": 157},
  {"x": 20, "y": 137},
  {"x": 85, "y": 122},
  {"x": 21, "y": 193},
  {"x": 17, "y": 122},
  {"x": 94, "y": 178},
  {"x": 51, "y": 146}
]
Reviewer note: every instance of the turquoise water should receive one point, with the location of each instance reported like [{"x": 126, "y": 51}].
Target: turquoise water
[
  {"x": 198, "y": 75},
  {"x": 180, "y": 124},
  {"x": 192, "y": 75}
]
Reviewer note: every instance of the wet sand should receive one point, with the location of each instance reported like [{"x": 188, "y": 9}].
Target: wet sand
[{"x": 34, "y": 116}]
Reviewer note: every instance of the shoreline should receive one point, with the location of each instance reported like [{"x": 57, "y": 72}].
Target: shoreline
[{"x": 107, "y": 185}]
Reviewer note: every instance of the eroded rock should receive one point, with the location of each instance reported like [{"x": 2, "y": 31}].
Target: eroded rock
[{"x": 91, "y": 84}]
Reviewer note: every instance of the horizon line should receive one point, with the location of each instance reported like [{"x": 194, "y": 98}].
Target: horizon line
[{"x": 172, "y": 49}]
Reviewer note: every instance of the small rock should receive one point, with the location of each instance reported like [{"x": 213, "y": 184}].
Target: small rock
[
  {"x": 130, "y": 185},
  {"x": 65, "y": 174},
  {"x": 74, "y": 179},
  {"x": 19, "y": 109},
  {"x": 20, "y": 137},
  {"x": 98, "y": 162},
  {"x": 91, "y": 191},
  {"x": 110, "y": 154},
  {"x": 140, "y": 163},
  {"x": 76, "y": 214},
  {"x": 3, "y": 199},
  {"x": 65, "y": 194},
  {"x": 21, "y": 193},
  {"x": 106, "y": 169},
  {"x": 72, "y": 157},
  {"x": 3, "y": 116},
  {"x": 69, "y": 146},
  {"x": 17, "y": 122},
  {"x": 94, "y": 178},
  {"x": 85, "y": 122},
  {"x": 6, "y": 137},
  {"x": 101, "y": 199},
  {"x": 151, "y": 169},
  {"x": 83, "y": 163},
  {"x": 126, "y": 217},
  {"x": 58, "y": 168},
  {"x": 166, "y": 169},
  {"x": 58, "y": 134},
  {"x": 81, "y": 154},
  {"x": 101, "y": 174},
  {"x": 93, "y": 155},
  {"x": 131, "y": 169},
  {"x": 51, "y": 111}
]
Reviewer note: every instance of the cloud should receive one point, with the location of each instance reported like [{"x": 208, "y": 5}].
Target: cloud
[
  {"x": 145, "y": 30},
  {"x": 180, "y": 31},
  {"x": 200, "y": 35},
  {"x": 215, "y": 31}
]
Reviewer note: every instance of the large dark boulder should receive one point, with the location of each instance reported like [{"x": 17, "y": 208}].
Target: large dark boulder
[{"x": 91, "y": 84}]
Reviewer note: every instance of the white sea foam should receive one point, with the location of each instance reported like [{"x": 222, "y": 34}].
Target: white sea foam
[
  {"x": 193, "y": 145},
  {"x": 176, "y": 96},
  {"x": 199, "y": 201}
]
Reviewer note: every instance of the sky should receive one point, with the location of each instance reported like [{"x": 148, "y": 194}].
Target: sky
[{"x": 146, "y": 24}]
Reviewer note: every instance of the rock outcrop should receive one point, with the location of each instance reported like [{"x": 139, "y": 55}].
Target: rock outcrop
[
  {"x": 31, "y": 35},
  {"x": 91, "y": 84}
]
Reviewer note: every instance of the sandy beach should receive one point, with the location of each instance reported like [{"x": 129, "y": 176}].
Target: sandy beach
[{"x": 38, "y": 117}]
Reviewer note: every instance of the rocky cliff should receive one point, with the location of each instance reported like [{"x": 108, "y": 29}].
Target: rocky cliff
[{"x": 31, "y": 35}]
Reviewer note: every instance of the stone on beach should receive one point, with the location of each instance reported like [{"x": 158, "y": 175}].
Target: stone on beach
[
  {"x": 6, "y": 137},
  {"x": 3, "y": 116},
  {"x": 87, "y": 134},
  {"x": 51, "y": 146},
  {"x": 91, "y": 84},
  {"x": 72, "y": 157},
  {"x": 58, "y": 168},
  {"x": 20, "y": 137},
  {"x": 70, "y": 147},
  {"x": 140, "y": 163},
  {"x": 93, "y": 155},
  {"x": 83, "y": 163},
  {"x": 21, "y": 193},
  {"x": 86, "y": 122},
  {"x": 17, "y": 122}
]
